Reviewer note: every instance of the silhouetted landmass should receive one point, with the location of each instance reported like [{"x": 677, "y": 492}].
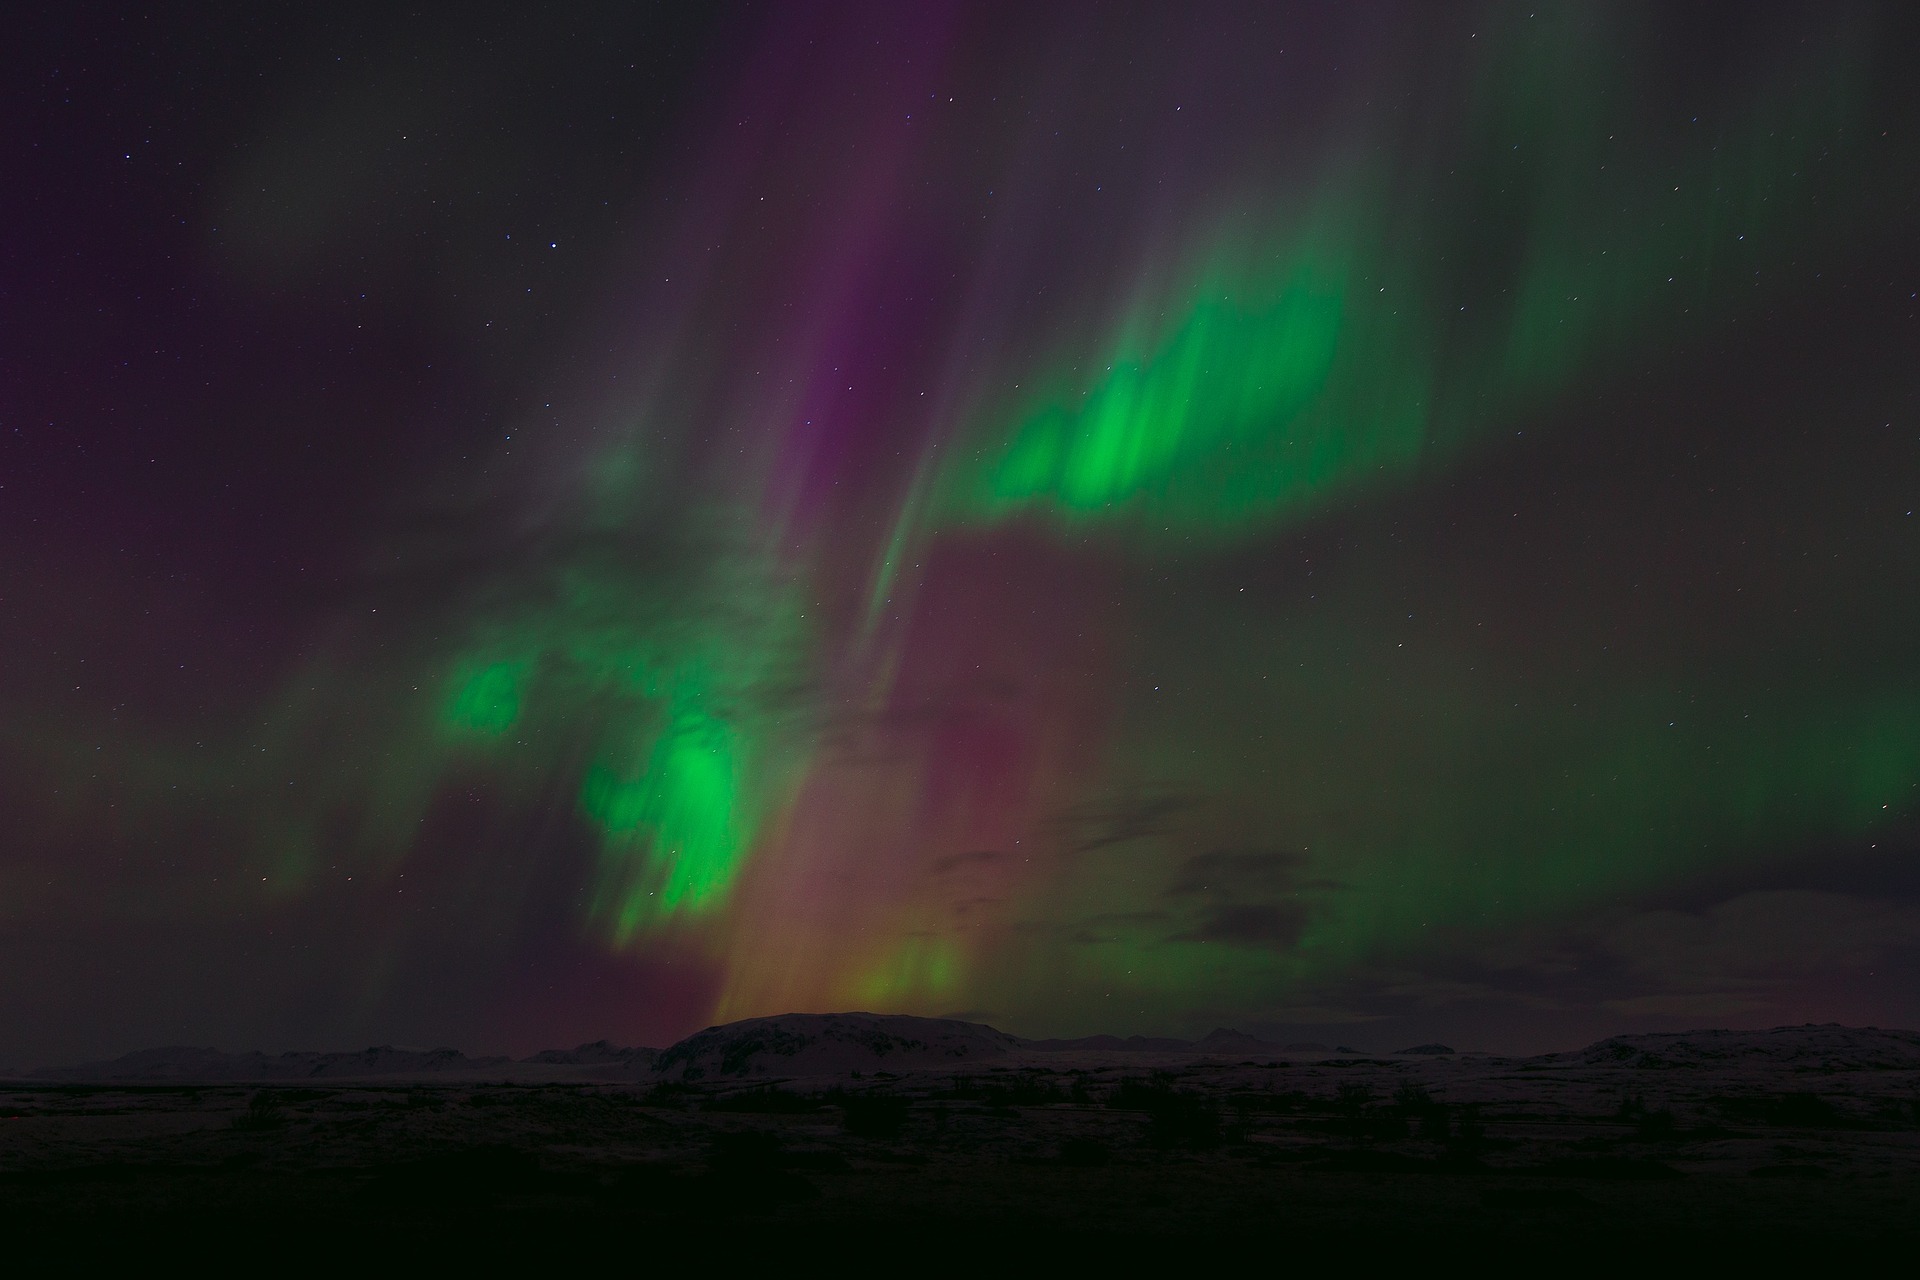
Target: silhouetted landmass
[
  {"x": 812, "y": 1127},
  {"x": 827, "y": 1044},
  {"x": 192, "y": 1064},
  {"x": 599, "y": 1053},
  {"x": 1110, "y": 1044}
]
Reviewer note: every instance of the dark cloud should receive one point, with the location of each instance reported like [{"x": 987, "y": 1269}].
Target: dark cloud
[
  {"x": 1764, "y": 937},
  {"x": 1121, "y": 819},
  {"x": 1111, "y": 926},
  {"x": 802, "y": 474},
  {"x": 1239, "y": 872},
  {"x": 1276, "y": 925},
  {"x": 1756, "y": 958},
  {"x": 971, "y": 857}
]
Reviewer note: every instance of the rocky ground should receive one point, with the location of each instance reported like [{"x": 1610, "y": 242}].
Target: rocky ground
[{"x": 817, "y": 1132}]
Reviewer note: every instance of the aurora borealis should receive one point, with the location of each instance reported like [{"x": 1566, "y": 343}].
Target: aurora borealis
[{"x": 1388, "y": 521}]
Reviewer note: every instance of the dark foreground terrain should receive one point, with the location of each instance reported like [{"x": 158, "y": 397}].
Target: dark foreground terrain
[{"x": 906, "y": 1146}]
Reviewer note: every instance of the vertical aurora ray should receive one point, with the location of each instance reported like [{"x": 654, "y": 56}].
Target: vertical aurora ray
[
  {"x": 980, "y": 715},
  {"x": 673, "y": 831},
  {"x": 484, "y": 698},
  {"x": 1288, "y": 368},
  {"x": 1020, "y": 524},
  {"x": 893, "y": 840},
  {"x": 672, "y": 701},
  {"x": 1261, "y": 381}
]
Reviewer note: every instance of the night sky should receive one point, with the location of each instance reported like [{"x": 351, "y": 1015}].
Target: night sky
[{"x": 1373, "y": 523}]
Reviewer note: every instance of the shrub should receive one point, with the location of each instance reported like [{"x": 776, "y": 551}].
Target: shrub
[
  {"x": 263, "y": 1112},
  {"x": 1181, "y": 1120},
  {"x": 1470, "y": 1135}
]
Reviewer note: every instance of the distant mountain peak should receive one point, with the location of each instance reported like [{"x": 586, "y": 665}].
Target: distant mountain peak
[{"x": 799, "y": 1044}]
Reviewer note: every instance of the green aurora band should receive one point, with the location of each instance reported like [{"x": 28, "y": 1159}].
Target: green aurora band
[
  {"x": 1249, "y": 747},
  {"x": 1288, "y": 364}
]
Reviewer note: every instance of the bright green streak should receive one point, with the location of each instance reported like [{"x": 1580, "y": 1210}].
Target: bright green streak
[
  {"x": 1291, "y": 370},
  {"x": 1340, "y": 338},
  {"x": 677, "y": 826},
  {"x": 1248, "y": 354},
  {"x": 486, "y": 697},
  {"x": 661, "y": 682},
  {"x": 1295, "y": 349}
]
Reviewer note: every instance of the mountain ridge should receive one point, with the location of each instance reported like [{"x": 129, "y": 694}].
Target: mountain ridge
[{"x": 805, "y": 1044}]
